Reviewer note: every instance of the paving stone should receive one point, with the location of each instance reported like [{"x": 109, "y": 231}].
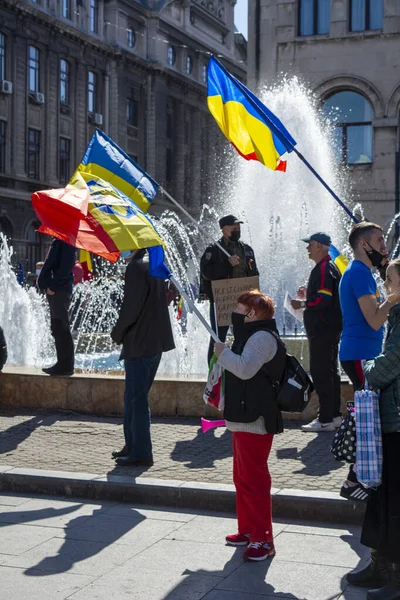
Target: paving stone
[
  {"x": 112, "y": 529},
  {"x": 75, "y": 556},
  {"x": 16, "y": 539},
  {"x": 57, "y": 441},
  {"x": 296, "y": 580},
  {"x": 123, "y": 584},
  {"x": 50, "y": 513},
  {"x": 322, "y": 550},
  {"x": 212, "y": 531},
  {"x": 16, "y": 585},
  {"x": 174, "y": 556}
]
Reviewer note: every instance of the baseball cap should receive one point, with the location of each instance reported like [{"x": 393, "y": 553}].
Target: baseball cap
[
  {"x": 320, "y": 237},
  {"x": 229, "y": 220}
]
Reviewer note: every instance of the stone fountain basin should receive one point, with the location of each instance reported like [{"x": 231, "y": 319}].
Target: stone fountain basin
[{"x": 103, "y": 394}]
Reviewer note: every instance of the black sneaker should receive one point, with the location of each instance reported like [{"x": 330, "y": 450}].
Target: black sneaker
[{"x": 355, "y": 492}]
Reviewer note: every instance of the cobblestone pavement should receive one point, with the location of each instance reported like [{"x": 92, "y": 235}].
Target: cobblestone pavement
[{"x": 73, "y": 442}]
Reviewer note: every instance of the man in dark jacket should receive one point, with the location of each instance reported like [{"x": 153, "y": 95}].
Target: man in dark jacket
[
  {"x": 144, "y": 330},
  {"x": 215, "y": 264},
  {"x": 323, "y": 324},
  {"x": 56, "y": 279},
  {"x": 3, "y": 350}
]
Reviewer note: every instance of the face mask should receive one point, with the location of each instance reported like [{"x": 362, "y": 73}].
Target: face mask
[
  {"x": 235, "y": 236},
  {"x": 38, "y": 272},
  {"x": 374, "y": 256},
  {"x": 238, "y": 319},
  {"x": 126, "y": 254}
]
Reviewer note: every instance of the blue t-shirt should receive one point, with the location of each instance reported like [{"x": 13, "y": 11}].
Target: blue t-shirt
[{"x": 359, "y": 341}]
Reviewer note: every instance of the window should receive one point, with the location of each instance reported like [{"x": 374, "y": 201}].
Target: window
[
  {"x": 2, "y": 57},
  {"x": 65, "y": 160},
  {"x": 33, "y": 69},
  {"x": 33, "y": 166},
  {"x": 132, "y": 110},
  {"x": 314, "y": 16},
  {"x": 94, "y": 16},
  {"x": 352, "y": 116},
  {"x": 3, "y": 125},
  {"x": 64, "y": 81},
  {"x": 130, "y": 38},
  {"x": 66, "y": 9},
  {"x": 189, "y": 65},
  {"x": 92, "y": 92},
  {"x": 366, "y": 15},
  {"x": 171, "y": 55}
]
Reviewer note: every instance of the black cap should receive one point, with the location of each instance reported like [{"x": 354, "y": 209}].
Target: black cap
[
  {"x": 320, "y": 237},
  {"x": 229, "y": 220}
]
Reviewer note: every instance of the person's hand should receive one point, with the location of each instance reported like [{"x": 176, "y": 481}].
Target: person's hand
[
  {"x": 395, "y": 297},
  {"x": 219, "y": 347},
  {"x": 234, "y": 260},
  {"x": 50, "y": 292},
  {"x": 302, "y": 292},
  {"x": 296, "y": 304}
]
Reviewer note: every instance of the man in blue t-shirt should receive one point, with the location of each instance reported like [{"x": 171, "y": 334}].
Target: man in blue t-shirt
[{"x": 364, "y": 314}]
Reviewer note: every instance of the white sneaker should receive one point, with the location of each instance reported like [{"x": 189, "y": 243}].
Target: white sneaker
[
  {"x": 316, "y": 426},
  {"x": 337, "y": 421}
]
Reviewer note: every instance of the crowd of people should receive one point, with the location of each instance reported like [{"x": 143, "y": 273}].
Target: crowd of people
[{"x": 344, "y": 318}]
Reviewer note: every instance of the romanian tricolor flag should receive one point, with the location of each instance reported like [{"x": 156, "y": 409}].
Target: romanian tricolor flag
[
  {"x": 104, "y": 159},
  {"x": 255, "y": 132},
  {"x": 339, "y": 259},
  {"x": 93, "y": 215}
]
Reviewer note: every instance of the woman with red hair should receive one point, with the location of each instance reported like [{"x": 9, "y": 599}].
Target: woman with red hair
[{"x": 257, "y": 359}]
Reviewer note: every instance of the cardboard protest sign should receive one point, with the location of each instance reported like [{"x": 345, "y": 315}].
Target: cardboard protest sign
[{"x": 226, "y": 293}]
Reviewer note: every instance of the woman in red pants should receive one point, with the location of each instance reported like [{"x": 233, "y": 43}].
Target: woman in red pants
[{"x": 252, "y": 414}]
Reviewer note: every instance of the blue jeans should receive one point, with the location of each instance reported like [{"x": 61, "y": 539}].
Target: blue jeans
[{"x": 139, "y": 376}]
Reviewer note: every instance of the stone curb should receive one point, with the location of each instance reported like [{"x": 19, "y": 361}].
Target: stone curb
[{"x": 286, "y": 503}]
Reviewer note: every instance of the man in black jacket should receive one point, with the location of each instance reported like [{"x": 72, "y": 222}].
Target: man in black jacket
[
  {"x": 323, "y": 324},
  {"x": 215, "y": 264},
  {"x": 144, "y": 330},
  {"x": 56, "y": 279}
]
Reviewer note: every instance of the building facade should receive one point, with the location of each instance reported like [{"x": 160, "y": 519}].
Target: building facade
[
  {"x": 347, "y": 52},
  {"x": 135, "y": 69}
]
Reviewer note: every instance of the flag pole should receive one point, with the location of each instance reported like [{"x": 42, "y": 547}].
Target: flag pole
[
  {"x": 194, "y": 308},
  {"x": 326, "y": 186},
  {"x": 189, "y": 216}
]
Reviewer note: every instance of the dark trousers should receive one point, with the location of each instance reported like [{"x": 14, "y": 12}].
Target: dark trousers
[
  {"x": 354, "y": 371},
  {"x": 381, "y": 528},
  {"x": 222, "y": 332},
  {"x": 139, "y": 377},
  {"x": 60, "y": 330},
  {"x": 324, "y": 369}
]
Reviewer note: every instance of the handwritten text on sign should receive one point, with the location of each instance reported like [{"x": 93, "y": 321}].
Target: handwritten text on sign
[{"x": 226, "y": 293}]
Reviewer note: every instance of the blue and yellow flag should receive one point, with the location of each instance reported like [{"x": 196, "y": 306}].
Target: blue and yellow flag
[
  {"x": 255, "y": 132},
  {"x": 339, "y": 259},
  {"x": 104, "y": 159}
]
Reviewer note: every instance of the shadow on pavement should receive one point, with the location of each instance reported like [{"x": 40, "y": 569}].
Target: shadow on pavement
[
  {"x": 74, "y": 548},
  {"x": 203, "y": 450},
  {"x": 316, "y": 458},
  {"x": 12, "y": 437},
  {"x": 258, "y": 575}
]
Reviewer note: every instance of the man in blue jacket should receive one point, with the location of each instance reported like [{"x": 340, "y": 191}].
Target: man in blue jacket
[{"x": 56, "y": 280}]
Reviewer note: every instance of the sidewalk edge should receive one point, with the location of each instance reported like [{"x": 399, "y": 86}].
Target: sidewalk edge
[{"x": 288, "y": 504}]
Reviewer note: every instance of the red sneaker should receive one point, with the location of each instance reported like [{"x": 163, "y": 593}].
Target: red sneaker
[
  {"x": 238, "y": 539},
  {"x": 259, "y": 551}
]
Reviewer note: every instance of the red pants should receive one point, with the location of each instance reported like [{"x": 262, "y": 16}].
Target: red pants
[{"x": 253, "y": 484}]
